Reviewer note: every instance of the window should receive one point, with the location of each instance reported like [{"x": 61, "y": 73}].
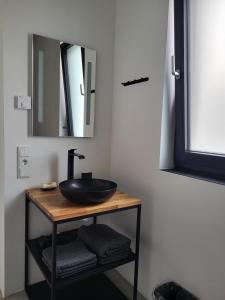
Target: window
[{"x": 200, "y": 88}]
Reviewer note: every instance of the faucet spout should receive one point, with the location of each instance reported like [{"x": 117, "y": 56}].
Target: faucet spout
[{"x": 71, "y": 154}]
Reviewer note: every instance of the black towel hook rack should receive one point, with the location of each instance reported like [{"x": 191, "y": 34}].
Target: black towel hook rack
[{"x": 136, "y": 81}]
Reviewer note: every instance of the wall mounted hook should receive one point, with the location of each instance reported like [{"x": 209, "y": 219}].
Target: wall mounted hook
[{"x": 136, "y": 81}]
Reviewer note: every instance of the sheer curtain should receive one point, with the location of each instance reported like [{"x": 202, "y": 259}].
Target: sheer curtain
[{"x": 168, "y": 117}]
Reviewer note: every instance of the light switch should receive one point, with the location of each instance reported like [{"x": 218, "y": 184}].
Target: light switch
[
  {"x": 23, "y": 102},
  {"x": 23, "y": 161},
  {"x": 23, "y": 151}
]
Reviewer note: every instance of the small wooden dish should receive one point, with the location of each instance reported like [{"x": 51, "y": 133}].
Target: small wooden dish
[{"x": 48, "y": 186}]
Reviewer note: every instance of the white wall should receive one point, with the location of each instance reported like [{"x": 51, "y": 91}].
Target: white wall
[
  {"x": 183, "y": 224},
  {"x": 1, "y": 162},
  {"x": 90, "y": 23},
  {"x": 140, "y": 44}
]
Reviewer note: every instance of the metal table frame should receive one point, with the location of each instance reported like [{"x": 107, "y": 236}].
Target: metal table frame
[{"x": 54, "y": 237}]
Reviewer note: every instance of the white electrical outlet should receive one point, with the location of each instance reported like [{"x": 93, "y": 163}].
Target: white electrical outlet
[
  {"x": 23, "y": 102},
  {"x": 23, "y": 161}
]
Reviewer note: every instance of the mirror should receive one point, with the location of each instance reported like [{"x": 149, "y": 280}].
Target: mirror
[{"x": 63, "y": 89}]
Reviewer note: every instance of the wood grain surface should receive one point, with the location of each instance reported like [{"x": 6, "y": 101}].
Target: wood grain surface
[{"x": 58, "y": 208}]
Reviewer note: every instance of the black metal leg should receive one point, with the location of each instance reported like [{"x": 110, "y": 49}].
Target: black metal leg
[
  {"x": 53, "y": 277},
  {"x": 138, "y": 229},
  {"x": 95, "y": 220},
  {"x": 27, "y": 213}
]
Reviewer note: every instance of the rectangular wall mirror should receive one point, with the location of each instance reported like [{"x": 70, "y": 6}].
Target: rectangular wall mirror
[{"x": 63, "y": 89}]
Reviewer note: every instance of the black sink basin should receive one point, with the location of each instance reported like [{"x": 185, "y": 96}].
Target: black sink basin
[{"x": 86, "y": 191}]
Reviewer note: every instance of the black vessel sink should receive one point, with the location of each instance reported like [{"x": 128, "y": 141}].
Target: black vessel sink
[{"x": 86, "y": 191}]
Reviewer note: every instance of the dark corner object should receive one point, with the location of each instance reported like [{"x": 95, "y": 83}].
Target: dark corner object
[
  {"x": 136, "y": 81},
  {"x": 172, "y": 291}
]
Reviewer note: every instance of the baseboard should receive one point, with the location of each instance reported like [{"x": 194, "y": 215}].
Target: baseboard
[
  {"x": 18, "y": 296},
  {"x": 123, "y": 284}
]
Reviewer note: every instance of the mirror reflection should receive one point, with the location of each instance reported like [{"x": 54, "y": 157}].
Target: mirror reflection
[{"x": 63, "y": 89}]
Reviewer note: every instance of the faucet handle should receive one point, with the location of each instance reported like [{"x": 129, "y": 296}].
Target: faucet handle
[{"x": 72, "y": 151}]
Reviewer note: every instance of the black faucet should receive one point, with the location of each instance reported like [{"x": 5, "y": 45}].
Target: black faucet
[{"x": 71, "y": 154}]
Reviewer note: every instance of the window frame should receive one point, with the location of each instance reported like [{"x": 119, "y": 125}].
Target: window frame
[{"x": 207, "y": 166}]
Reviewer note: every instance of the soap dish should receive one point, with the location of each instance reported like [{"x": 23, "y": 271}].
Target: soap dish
[{"x": 48, "y": 186}]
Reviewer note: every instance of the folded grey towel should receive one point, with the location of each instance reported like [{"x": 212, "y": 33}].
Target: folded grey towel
[
  {"x": 70, "y": 256},
  {"x": 114, "y": 258},
  {"x": 61, "y": 239},
  {"x": 103, "y": 240},
  {"x": 71, "y": 271},
  {"x": 75, "y": 272}
]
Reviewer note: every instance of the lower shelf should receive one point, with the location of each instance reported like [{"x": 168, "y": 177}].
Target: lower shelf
[
  {"x": 98, "y": 287},
  {"x": 61, "y": 283}
]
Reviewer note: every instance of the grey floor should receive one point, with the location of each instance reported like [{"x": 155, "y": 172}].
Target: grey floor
[
  {"x": 20, "y": 296},
  {"x": 113, "y": 275}
]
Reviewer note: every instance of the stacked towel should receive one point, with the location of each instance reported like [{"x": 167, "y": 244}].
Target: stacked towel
[
  {"x": 71, "y": 259},
  {"x": 62, "y": 238},
  {"x": 109, "y": 245}
]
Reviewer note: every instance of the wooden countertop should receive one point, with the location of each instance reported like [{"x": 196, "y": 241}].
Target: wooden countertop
[{"x": 58, "y": 208}]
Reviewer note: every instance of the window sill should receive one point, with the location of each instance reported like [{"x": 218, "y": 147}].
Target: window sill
[{"x": 197, "y": 175}]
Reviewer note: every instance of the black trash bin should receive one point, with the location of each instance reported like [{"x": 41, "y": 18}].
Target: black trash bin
[{"x": 172, "y": 291}]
